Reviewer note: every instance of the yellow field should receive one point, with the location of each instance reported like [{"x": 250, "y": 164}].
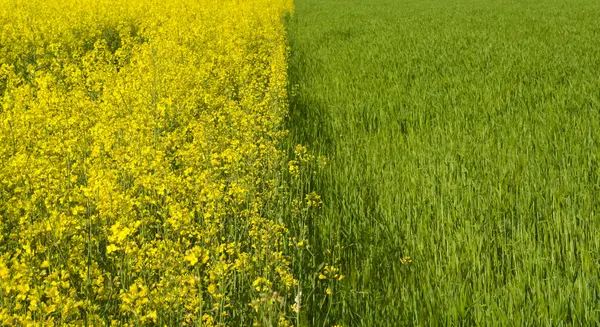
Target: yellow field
[{"x": 140, "y": 157}]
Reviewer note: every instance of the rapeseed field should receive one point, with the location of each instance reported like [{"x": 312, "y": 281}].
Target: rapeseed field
[{"x": 143, "y": 178}]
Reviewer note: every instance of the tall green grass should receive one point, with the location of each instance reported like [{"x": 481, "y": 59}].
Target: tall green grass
[{"x": 464, "y": 134}]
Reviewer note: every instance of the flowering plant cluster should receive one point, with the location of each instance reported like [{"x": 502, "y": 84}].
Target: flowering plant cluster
[{"x": 141, "y": 170}]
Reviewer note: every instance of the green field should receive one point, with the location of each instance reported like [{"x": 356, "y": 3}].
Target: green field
[{"x": 464, "y": 134}]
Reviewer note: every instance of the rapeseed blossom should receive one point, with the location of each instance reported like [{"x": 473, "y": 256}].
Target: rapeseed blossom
[{"x": 141, "y": 159}]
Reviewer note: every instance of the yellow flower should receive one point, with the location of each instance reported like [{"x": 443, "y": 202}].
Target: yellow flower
[
  {"x": 191, "y": 258},
  {"x": 212, "y": 289},
  {"x": 152, "y": 315},
  {"x": 111, "y": 248}
]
